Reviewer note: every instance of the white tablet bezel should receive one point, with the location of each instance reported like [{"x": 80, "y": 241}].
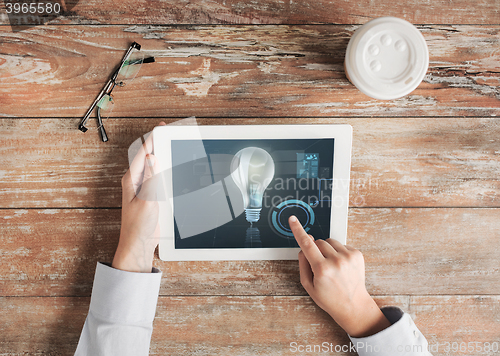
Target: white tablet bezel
[{"x": 162, "y": 137}]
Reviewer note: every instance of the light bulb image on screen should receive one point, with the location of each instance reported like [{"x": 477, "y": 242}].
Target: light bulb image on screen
[{"x": 252, "y": 169}]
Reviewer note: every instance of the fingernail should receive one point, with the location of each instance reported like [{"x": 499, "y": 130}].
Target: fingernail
[
  {"x": 150, "y": 160},
  {"x": 293, "y": 218}
]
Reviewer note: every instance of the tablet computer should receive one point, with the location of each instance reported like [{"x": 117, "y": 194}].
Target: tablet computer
[{"x": 228, "y": 191}]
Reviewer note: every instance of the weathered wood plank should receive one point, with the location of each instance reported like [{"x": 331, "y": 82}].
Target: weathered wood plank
[
  {"x": 183, "y": 325},
  {"x": 237, "y": 71},
  {"x": 56, "y": 249},
  {"x": 41, "y": 326},
  {"x": 271, "y": 11},
  {"x": 258, "y": 325},
  {"x": 428, "y": 251},
  {"x": 407, "y": 251},
  {"x": 396, "y": 162},
  {"x": 449, "y": 322}
]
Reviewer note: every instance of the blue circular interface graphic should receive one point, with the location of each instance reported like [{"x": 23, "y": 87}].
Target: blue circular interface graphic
[{"x": 291, "y": 207}]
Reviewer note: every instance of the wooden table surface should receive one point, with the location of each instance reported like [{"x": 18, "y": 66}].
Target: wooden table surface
[{"x": 425, "y": 190}]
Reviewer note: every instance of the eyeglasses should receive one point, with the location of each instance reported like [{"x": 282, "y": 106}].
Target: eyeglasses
[{"x": 126, "y": 72}]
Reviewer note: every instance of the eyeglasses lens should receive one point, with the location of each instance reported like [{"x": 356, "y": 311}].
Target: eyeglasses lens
[{"x": 130, "y": 68}]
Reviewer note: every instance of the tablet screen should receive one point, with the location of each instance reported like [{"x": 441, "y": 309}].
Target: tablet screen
[{"x": 240, "y": 193}]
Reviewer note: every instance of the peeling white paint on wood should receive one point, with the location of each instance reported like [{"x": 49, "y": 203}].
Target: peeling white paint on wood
[{"x": 200, "y": 85}]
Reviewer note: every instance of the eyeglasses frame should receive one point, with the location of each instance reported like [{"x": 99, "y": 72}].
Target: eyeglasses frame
[{"x": 106, "y": 90}]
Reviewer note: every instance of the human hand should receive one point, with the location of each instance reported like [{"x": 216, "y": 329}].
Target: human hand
[
  {"x": 334, "y": 276},
  {"x": 139, "y": 234}
]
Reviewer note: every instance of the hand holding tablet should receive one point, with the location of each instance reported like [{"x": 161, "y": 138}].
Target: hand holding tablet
[{"x": 139, "y": 233}]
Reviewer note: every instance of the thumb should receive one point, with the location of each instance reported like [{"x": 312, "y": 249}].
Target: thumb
[
  {"x": 148, "y": 186},
  {"x": 149, "y": 167}
]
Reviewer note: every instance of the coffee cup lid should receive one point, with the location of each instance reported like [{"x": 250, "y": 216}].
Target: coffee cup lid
[{"x": 387, "y": 58}]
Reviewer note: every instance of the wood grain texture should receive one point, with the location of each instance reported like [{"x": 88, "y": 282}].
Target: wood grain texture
[
  {"x": 258, "y": 325},
  {"x": 237, "y": 71},
  {"x": 53, "y": 252},
  {"x": 448, "y": 322},
  {"x": 271, "y": 12},
  {"x": 398, "y": 162},
  {"x": 41, "y": 326},
  {"x": 425, "y": 192}
]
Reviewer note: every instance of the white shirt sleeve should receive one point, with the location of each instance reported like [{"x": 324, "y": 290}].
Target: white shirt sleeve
[
  {"x": 402, "y": 338},
  {"x": 121, "y": 313}
]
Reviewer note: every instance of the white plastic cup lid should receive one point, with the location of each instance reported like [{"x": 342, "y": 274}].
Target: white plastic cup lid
[{"x": 386, "y": 58}]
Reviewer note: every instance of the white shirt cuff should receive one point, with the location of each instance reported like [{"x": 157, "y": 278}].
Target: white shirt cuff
[
  {"x": 125, "y": 297},
  {"x": 401, "y": 338}
]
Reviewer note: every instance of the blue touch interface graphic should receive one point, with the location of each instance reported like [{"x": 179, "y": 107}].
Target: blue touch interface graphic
[{"x": 279, "y": 211}]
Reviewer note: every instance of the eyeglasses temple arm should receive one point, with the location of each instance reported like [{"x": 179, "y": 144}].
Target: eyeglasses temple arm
[{"x": 102, "y": 131}]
